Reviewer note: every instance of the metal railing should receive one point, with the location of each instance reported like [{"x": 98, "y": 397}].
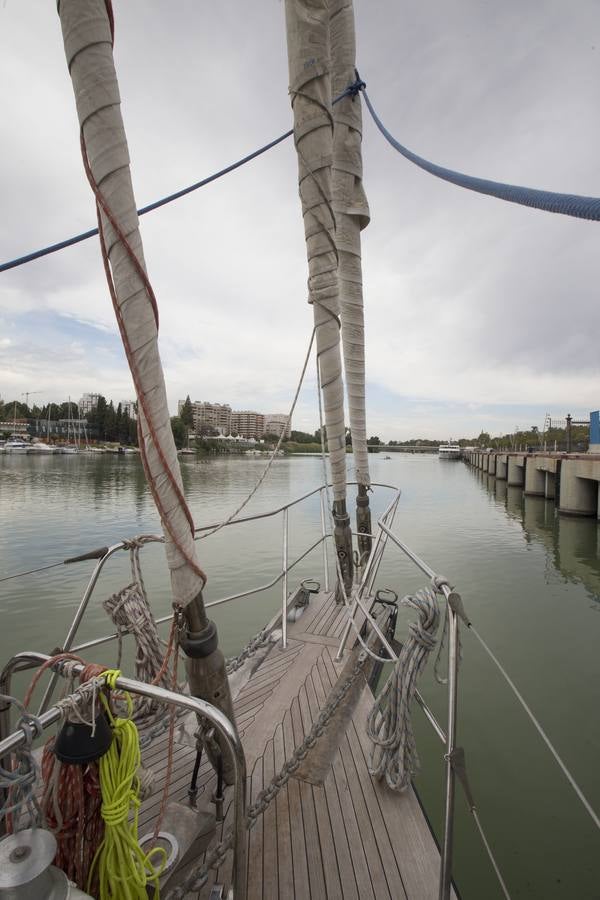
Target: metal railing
[
  {"x": 103, "y": 554},
  {"x": 10, "y": 742},
  {"x": 359, "y": 611},
  {"x": 454, "y": 755}
]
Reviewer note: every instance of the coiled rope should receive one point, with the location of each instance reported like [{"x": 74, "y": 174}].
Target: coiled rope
[
  {"x": 394, "y": 754},
  {"x": 17, "y": 784},
  {"x": 124, "y": 870}
]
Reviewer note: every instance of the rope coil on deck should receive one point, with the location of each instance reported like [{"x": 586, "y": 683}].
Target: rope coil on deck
[{"x": 394, "y": 755}]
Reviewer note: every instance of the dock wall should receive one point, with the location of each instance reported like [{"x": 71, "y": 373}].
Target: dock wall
[{"x": 570, "y": 480}]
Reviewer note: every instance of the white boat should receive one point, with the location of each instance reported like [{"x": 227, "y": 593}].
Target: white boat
[
  {"x": 69, "y": 449},
  {"x": 16, "y": 445},
  {"x": 42, "y": 447},
  {"x": 449, "y": 451}
]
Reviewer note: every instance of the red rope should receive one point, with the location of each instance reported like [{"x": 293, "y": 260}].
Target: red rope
[
  {"x": 101, "y": 204},
  {"x": 71, "y": 806}
]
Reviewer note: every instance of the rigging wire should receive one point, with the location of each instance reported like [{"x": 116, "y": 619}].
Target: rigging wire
[
  {"x": 574, "y": 205},
  {"x": 351, "y": 90},
  {"x": 32, "y": 571}
]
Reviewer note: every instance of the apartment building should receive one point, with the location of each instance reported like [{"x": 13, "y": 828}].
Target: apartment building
[
  {"x": 276, "y": 423},
  {"x": 212, "y": 415},
  {"x": 88, "y": 403},
  {"x": 247, "y": 423}
]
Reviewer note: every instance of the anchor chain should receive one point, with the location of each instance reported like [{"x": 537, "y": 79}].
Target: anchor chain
[
  {"x": 197, "y": 877},
  {"x": 259, "y": 640}
]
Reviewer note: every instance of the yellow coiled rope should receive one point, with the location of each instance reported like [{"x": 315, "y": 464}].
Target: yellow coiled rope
[{"x": 124, "y": 869}]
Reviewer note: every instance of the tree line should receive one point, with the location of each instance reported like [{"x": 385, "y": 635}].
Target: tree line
[{"x": 106, "y": 422}]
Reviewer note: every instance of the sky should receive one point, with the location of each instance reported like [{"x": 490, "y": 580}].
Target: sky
[{"x": 480, "y": 315}]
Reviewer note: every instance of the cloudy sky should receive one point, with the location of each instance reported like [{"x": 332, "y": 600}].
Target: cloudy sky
[{"x": 479, "y": 314}]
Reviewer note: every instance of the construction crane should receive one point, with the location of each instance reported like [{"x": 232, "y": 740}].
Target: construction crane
[{"x": 27, "y": 395}]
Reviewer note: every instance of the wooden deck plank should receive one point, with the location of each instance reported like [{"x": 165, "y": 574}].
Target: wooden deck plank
[
  {"x": 315, "y": 608},
  {"x": 346, "y": 838},
  {"x": 333, "y": 888},
  {"x": 328, "y": 604},
  {"x": 359, "y": 860},
  {"x": 301, "y": 883},
  {"x": 314, "y": 853},
  {"x": 255, "y": 843},
  {"x": 382, "y": 838},
  {"x": 336, "y": 820},
  {"x": 270, "y": 830},
  {"x": 284, "y": 833}
]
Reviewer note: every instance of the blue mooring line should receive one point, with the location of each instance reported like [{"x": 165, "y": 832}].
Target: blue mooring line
[
  {"x": 350, "y": 91},
  {"x": 566, "y": 204},
  {"x": 572, "y": 205}
]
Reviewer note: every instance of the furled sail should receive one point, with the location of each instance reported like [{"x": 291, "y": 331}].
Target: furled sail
[
  {"x": 310, "y": 88},
  {"x": 352, "y": 215},
  {"x": 87, "y": 32},
  {"x": 88, "y": 47}
]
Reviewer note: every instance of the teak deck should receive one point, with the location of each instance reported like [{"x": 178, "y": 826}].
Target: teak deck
[{"x": 346, "y": 837}]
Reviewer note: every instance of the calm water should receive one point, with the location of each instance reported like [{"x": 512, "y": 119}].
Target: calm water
[{"x": 530, "y": 582}]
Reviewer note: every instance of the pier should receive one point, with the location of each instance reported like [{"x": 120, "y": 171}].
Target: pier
[{"x": 569, "y": 479}]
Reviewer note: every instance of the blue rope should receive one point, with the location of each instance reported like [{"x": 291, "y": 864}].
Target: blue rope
[
  {"x": 566, "y": 204},
  {"x": 350, "y": 91}
]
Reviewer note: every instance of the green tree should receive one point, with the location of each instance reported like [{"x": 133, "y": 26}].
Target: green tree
[
  {"x": 179, "y": 431},
  {"x": 302, "y": 437},
  {"x": 97, "y": 417},
  {"x": 186, "y": 413},
  {"x": 110, "y": 422}
]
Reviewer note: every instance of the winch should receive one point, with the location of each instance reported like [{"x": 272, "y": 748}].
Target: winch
[{"x": 26, "y": 870}]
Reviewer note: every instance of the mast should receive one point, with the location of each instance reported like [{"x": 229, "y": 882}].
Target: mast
[
  {"x": 310, "y": 88},
  {"x": 87, "y": 27},
  {"x": 352, "y": 215}
]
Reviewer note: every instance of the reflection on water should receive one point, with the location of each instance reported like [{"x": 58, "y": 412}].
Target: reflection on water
[
  {"x": 530, "y": 581},
  {"x": 572, "y": 543}
]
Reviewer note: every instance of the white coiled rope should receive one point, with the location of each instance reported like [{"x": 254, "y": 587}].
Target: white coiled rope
[{"x": 394, "y": 753}]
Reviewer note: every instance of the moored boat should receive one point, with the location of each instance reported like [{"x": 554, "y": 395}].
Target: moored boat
[
  {"x": 450, "y": 450},
  {"x": 17, "y": 445}
]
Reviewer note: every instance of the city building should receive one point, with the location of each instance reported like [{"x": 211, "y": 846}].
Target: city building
[
  {"x": 88, "y": 403},
  {"x": 216, "y": 416},
  {"x": 247, "y": 423},
  {"x": 276, "y": 423},
  {"x": 220, "y": 417}
]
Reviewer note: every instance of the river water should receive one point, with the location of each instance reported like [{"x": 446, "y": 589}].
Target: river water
[{"x": 530, "y": 581}]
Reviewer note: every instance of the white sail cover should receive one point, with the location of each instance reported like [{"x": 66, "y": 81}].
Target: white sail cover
[
  {"x": 310, "y": 88},
  {"x": 88, "y": 48},
  {"x": 352, "y": 214}
]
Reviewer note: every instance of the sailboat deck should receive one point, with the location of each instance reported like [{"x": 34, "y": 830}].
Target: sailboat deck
[{"x": 331, "y": 833}]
